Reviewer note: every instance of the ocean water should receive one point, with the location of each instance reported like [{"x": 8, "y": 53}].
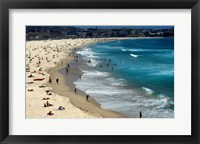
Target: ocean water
[{"x": 129, "y": 76}]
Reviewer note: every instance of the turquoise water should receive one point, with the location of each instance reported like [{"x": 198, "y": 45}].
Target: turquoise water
[{"x": 132, "y": 75}]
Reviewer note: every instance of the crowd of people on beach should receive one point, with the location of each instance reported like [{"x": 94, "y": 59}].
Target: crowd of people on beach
[
  {"x": 46, "y": 104},
  {"x": 32, "y": 74}
]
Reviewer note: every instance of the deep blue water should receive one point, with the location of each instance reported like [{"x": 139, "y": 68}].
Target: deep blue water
[{"x": 132, "y": 75}]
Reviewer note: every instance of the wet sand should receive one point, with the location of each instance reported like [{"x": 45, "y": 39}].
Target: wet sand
[{"x": 66, "y": 88}]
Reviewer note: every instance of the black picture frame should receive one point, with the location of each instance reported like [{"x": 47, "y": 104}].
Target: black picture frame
[{"x": 5, "y": 5}]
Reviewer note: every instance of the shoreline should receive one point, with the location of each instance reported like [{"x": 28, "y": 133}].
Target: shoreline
[
  {"x": 79, "y": 99},
  {"x": 43, "y": 56}
]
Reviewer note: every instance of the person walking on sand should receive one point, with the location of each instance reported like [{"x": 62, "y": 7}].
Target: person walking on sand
[
  {"x": 140, "y": 114},
  {"x": 87, "y": 97},
  {"x": 50, "y": 81},
  {"x": 57, "y": 80},
  {"x": 66, "y": 69},
  {"x": 75, "y": 91}
]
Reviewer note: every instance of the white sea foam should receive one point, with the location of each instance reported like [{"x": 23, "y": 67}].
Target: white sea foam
[
  {"x": 118, "y": 84},
  {"x": 134, "y": 55},
  {"x": 112, "y": 95},
  {"x": 164, "y": 73},
  {"x": 158, "y": 50},
  {"x": 151, "y": 108},
  {"x": 148, "y": 50},
  {"x": 93, "y": 63},
  {"x": 149, "y": 91},
  {"x": 123, "y": 49},
  {"x": 87, "y": 53},
  {"x": 108, "y": 91},
  {"x": 95, "y": 73}
]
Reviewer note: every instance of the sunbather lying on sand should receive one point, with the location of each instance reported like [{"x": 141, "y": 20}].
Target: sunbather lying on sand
[
  {"x": 42, "y": 86},
  {"x": 34, "y": 71},
  {"x": 30, "y": 76},
  {"x": 61, "y": 108},
  {"x": 47, "y": 104},
  {"x": 38, "y": 79},
  {"x": 50, "y": 113},
  {"x": 45, "y": 98}
]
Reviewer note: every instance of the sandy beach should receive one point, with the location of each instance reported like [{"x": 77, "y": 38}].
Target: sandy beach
[{"x": 44, "y": 60}]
